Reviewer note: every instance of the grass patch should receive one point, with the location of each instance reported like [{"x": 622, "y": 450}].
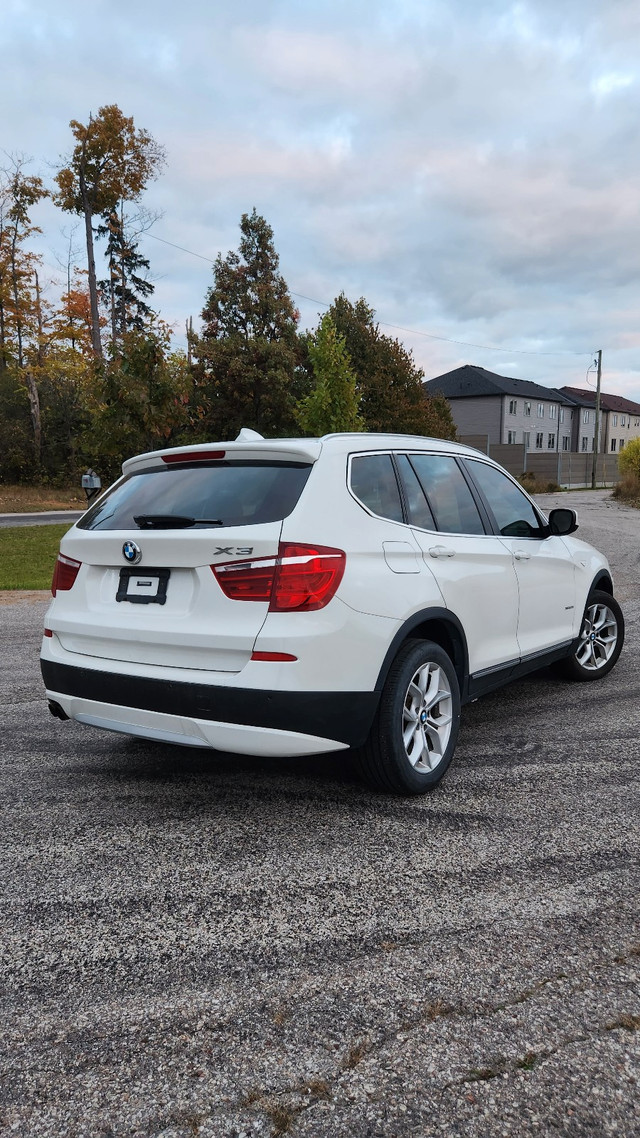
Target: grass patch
[
  {"x": 528, "y": 1061},
  {"x": 28, "y": 554},
  {"x": 32, "y": 499},
  {"x": 481, "y": 1074},
  {"x": 282, "y": 1117}
]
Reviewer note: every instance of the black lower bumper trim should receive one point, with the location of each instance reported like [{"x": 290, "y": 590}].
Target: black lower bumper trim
[{"x": 343, "y": 716}]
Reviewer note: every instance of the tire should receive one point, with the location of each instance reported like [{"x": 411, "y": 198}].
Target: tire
[
  {"x": 415, "y": 730},
  {"x": 601, "y": 639}
]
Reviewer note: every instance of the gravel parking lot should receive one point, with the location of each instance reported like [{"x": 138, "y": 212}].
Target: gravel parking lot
[{"x": 200, "y": 944}]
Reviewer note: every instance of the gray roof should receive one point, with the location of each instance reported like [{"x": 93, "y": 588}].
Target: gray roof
[{"x": 469, "y": 381}]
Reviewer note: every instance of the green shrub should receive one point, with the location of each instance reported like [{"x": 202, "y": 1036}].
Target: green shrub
[{"x": 629, "y": 458}]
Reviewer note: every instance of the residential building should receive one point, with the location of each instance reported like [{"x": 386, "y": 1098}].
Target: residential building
[
  {"x": 507, "y": 410},
  {"x": 620, "y": 418}
]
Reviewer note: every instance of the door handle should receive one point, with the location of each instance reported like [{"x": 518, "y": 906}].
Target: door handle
[
  {"x": 441, "y": 551},
  {"x": 521, "y": 555}
]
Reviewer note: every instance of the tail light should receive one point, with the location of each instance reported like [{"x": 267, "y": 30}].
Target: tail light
[
  {"x": 301, "y": 578},
  {"x": 64, "y": 574}
]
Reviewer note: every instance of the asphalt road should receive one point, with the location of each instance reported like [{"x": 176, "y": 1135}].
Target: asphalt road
[
  {"x": 47, "y": 518},
  {"x": 197, "y": 944}
]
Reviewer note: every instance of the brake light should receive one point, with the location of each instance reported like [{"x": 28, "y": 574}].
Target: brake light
[
  {"x": 302, "y": 578},
  {"x": 193, "y": 456},
  {"x": 64, "y": 574}
]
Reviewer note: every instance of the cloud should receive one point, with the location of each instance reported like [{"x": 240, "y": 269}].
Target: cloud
[{"x": 472, "y": 169}]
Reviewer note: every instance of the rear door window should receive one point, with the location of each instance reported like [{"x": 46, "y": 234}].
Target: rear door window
[
  {"x": 374, "y": 483},
  {"x": 201, "y": 495},
  {"x": 447, "y": 493}
]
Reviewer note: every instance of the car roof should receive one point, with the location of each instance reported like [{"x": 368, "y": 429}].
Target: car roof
[{"x": 300, "y": 450}]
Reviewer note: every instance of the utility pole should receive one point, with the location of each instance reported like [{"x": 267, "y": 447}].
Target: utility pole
[{"x": 597, "y": 425}]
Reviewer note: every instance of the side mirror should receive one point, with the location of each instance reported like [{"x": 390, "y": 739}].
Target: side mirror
[{"x": 563, "y": 522}]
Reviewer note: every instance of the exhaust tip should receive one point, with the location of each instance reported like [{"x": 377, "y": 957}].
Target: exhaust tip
[{"x": 56, "y": 710}]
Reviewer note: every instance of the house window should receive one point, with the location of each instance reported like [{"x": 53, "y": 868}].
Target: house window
[
  {"x": 584, "y": 445},
  {"x": 623, "y": 421},
  {"x": 621, "y": 444},
  {"x": 511, "y": 437},
  {"x": 613, "y": 444},
  {"x": 541, "y": 410},
  {"x": 526, "y": 438},
  {"x": 527, "y": 407},
  {"x": 561, "y": 418},
  {"x": 553, "y": 411},
  {"x": 551, "y": 442},
  {"x": 565, "y": 443},
  {"x": 585, "y": 416},
  {"x": 539, "y": 439},
  {"x": 513, "y": 406},
  {"x": 615, "y": 420}
]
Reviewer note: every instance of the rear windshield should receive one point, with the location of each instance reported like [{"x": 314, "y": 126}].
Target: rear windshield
[{"x": 201, "y": 495}]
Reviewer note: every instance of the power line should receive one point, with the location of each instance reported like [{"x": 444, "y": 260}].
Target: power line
[
  {"x": 180, "y": 247},
  {"x": 385, "y": 323}
]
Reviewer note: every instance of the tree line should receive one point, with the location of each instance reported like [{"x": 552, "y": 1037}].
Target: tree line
[{"x": 94, "y": 377}]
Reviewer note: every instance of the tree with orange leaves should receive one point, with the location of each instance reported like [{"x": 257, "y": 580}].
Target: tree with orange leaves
[{"x": 112, "y": 162}]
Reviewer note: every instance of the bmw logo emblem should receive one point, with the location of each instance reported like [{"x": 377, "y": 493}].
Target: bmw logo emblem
[{"x": 132, "y": 552}]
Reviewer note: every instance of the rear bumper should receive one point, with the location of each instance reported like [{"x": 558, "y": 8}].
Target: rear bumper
[{"x": 241, "y": 720}]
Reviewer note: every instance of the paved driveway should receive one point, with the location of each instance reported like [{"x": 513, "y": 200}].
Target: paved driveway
[{"x": 198, "y": 944}]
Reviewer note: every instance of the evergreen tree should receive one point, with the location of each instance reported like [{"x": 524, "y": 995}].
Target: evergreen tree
[
  {"x": 389, "y": 382},
  {"x": 248, "y": 351},
  {"x": 332, "y": 405},
  {"x": 21, "y": 309},
  {"x": 126, "y": 289}
]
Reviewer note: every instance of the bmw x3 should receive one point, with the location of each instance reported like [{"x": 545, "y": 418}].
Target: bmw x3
[{"x": 294, "y": 596}]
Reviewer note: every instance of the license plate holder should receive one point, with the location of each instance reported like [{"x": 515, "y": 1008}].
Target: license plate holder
[{"x": 143, "y": 586}]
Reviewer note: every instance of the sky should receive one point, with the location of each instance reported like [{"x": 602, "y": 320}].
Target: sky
[{"x": 470, "y": 167}]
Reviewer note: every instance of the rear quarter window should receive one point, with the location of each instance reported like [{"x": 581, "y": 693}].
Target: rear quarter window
[
  {"x": 212, "y": 494},
  {"x": 374, "y": 483}
]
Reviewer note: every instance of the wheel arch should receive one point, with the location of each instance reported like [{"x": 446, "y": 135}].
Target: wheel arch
[
  {"x": 602, "y": 581},
  {"x": 443, "y": 628}
]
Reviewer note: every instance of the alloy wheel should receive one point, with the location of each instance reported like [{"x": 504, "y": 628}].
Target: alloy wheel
[
  {"x": 427, "y": 717},
  {"x": 598, "y": 637}
]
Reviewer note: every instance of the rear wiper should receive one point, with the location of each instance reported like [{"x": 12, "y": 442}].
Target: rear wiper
[{"x": 172, "y": 521}]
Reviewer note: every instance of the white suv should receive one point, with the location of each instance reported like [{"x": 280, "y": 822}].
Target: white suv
[{"x": 294, "y": 596}]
